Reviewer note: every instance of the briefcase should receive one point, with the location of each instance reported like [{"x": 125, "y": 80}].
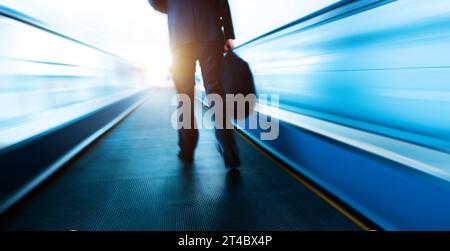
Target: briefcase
[{"x": 237, "y": 78}]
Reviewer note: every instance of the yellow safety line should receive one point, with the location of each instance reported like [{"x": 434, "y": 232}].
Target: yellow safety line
[{"x": 311, "y": 187}]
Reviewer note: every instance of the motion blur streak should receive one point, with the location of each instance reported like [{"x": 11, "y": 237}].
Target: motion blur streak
[
  {"x": 388, "y": 76},
  {"x": 362, "y": 77},
  {"x": 48, "y": 79}
]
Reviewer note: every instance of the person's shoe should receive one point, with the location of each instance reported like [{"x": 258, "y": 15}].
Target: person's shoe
[
  {"x": 231, "y": 159},
  {"x": 186, "y": 157},
  {"x": 232, "y": 162}
]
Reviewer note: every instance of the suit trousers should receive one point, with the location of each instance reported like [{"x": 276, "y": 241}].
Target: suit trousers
[{"x": 210, "y": 57}]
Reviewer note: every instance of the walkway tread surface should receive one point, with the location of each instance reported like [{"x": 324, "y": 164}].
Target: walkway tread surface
[{"x": 132, "y": 180}]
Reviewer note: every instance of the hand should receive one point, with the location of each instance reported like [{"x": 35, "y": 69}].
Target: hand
[{"x": 229, "y": 45}]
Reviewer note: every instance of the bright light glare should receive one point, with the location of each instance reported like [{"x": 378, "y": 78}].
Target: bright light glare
[
  {"x": 130, "y": 29},
  {"x": 133, "y": 30}
]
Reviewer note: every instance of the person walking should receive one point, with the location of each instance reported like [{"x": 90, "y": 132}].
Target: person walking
[{"x": 200, "y": 30}]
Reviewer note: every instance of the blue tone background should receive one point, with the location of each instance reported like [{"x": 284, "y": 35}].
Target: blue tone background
[
  {"x": 385, "y": 70},
  {"x": 364, "y": 89},
  {"x": 376, "y": 72}
]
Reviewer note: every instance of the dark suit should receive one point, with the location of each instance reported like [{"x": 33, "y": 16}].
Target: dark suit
[
  {"x": 198, "y": 29},
  {"x": 196, "y": 20}
]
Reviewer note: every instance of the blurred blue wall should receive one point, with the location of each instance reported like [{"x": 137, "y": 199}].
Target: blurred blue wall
[
  {"x": 48, "y": 79},
  {"x": 365, "y": 102},
  {"x": 385, "y": 70}
]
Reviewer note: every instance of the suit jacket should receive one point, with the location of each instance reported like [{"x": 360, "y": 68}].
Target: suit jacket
[{"x": 193, "y": 21}]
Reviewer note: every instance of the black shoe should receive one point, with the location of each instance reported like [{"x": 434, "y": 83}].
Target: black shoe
[
  {"x": 232, "y": 162},
  {"x": 231, "y": 159},
  {"x": 186, "y": 157}
]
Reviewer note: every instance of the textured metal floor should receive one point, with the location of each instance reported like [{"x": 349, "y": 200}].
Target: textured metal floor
[{"x": 132, "y": 180}]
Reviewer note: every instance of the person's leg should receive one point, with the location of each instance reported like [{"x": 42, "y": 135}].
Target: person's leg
[
  {"x": 184, "y": 77},
  {"x": 210, "y": 56}
]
